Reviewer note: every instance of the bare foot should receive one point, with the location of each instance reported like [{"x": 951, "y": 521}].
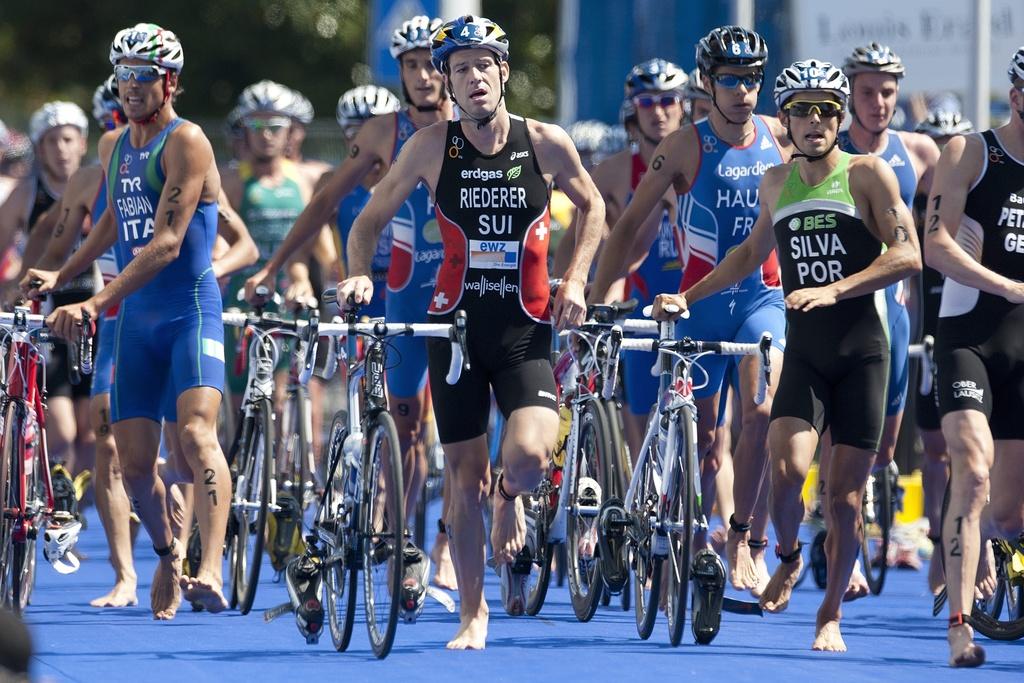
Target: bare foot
[
  {"x": 985, "y": 583},
  {"x": 963, "y": 651},
  {"x": 508, "y": 529},
  {"x": 936, "y": 574},
  {"x": 205, "y": 590},
  {"x": 472, "y": 633},
  {"x": 164, "y": 594},
  {"x": 742, "y": 571},
  {"x": 858, "y": 587},
  {"x": 775, "y": 597},
  {"x": 763, "y": 576},
  {"x": 441, "y": 556},
  {"x": 121, "y": 595},
  {"x": 828, "y": 638}
]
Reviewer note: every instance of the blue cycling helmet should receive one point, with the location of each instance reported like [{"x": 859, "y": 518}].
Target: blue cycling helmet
[{"x": 467, "y": 31}]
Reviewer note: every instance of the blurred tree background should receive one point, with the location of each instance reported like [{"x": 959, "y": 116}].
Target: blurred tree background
[{"x": 58, "y": 50}]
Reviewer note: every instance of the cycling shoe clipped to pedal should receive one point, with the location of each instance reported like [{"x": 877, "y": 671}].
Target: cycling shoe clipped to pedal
[
  {"x": 65, "y": 497},
  {"x": 708, "y": 574},
  {"x": 414, "y": 582},
  {"x": 304, "y": 582},
  {"x": 515, "y": 578},
  {"x": 819, "y": 560},
  {"x": 58, "y": 538},
  {"x": 612, "y": 521}
]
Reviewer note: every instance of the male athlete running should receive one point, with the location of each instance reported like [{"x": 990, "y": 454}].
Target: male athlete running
[
  {"x": 714, "y": 167},
  {"x": 489, "y": 175},
  {"x": 163, "y": 187},
  {"x": 416, "y": 248},
  {"x": 975, "y": 224},
  {"x": 831, "y": 212}
]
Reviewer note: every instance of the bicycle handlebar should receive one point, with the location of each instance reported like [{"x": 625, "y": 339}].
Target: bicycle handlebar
[{"x": 925, "y": 353}]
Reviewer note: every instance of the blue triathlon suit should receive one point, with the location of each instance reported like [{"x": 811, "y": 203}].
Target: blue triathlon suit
[
  {"x": 169, "y": 335},
  {"x": 660, "y": 272},
  {"x": 895, "y": 154},
  {"x": 714, "y": 217},
  {"x": 416, "y": 254},
  {"x": 348, "y": 208},
  {"x": 103, "y": 366}
]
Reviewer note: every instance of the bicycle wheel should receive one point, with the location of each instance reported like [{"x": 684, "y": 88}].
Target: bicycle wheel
[
  {"x": 645, "y": 564},
  {"x": 250, "y": 505},
  {"x": 622, "y": 469},
  {"x": 23, "y": 556},
  {"x": 877, "y": 512},
  {"x": 590, "y": 482},
  {"x": 302, "y": 437},
  {"x": 681, "y": 512},
  {"x": 1001, "y": 617},
  {"x": 538, "y": 517},
  {"x": 9, "y": 501},
  {"x": 340, "y": 573},
  {"x": 383, "y": 534}
]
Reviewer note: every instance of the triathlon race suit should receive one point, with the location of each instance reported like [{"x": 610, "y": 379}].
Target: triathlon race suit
[
  {"x": 269, "y": 213},
  {"x": 895, "y": 154},
  {"x": 713, "y": 218},
  {"x": 169, "y": 335},
  {"x": 493, "y": 214},
  {"x": 836, "y": 362},
  {"x": 103, "y": 368},
  {"x": 348, "y": 208},
  {"x": 416, "y": 254},
  {"x": 660, "y": 272},
  {"x": 979, "y": 346}
]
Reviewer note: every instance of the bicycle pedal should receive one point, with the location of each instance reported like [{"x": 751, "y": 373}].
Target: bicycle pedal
[
  {"x": 612, "y": 522},
  {"x": 442, "y": 598}
]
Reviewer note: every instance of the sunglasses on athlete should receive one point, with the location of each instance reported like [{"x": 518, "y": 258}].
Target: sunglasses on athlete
[
  {"x": 650, "y": 101},
  {"x": 733, "y": 81},
  {"x": 801, "y": 109},
  {"x": 143, "y": 73},
  {"x": 275, "y": 124}
]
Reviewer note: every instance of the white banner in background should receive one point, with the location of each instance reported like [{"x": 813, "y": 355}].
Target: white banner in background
[{"x": 933, "y": 38}]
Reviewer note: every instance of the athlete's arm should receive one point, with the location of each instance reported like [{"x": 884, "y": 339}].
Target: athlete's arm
[
  {"x": 70, "y": 215},
  {"x": 738, "y": 263},
  {"x": 557, "y": 156},
  {"x": 14, "y": 213},
  {"x": 667, "y": 168},
  {"x": 366, "y": 150},
  {"x": 420, "y": 159},
  {"x": 102, "y": 236},
  {"x": 188, "y": 162},
  {"x": 242, "y": 250},
  {"x": 874, "y": 186},
  {"x": 959, "y": 165}
]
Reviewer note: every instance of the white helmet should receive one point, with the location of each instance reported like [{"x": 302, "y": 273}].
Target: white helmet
[
  {"x": 301, "y": 109},
  {"x": 943, "y": 123},
  {"x": 105, "y": 102},
  {"x": 148, "y": 42},
  {"x": 54, "y": 114},
  {"x": 4, "y": 135},
  {"x": 811, "y": 74},
  {"x": 413, "y": 34},
  {"x": 265, "y": 96},
  {"x": 364, "y": 102},
  {"x": 874, "y": 58},
  {"x": 1016, "y": 68}
]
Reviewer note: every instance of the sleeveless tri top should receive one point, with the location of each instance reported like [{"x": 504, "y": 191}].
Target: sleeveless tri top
[{"x": 661, "y": 270}]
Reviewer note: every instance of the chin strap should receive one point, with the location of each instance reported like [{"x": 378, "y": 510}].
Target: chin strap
[{"x": 481, "y": 122}]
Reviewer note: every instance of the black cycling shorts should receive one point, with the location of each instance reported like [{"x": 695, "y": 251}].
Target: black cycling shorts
[
  {"x": 926, "y": 409},
  {"x": 994, "y": 386},
  {"x": 514, "y": 362},
  {"x": 846, "y": 395}
]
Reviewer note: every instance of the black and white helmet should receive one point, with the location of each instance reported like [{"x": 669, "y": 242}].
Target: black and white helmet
[
  {"x": 1016, "y": 68},
  {"x": 105, "y": 102},
  {"x": 53, "y": 115},
  {"x": 149, "y": 42},
  {"x": 655, "y": 75},
  {"x": 943, "y": 123},
  {"x": 811, "y": 74},
  {"x": 364, "y": 102},
  {"x": 265, "y": 96},
  {"x": 414, "y": 34},
  {"x": 731, "y": 46},
  {"x": 874, "y": 58}
]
